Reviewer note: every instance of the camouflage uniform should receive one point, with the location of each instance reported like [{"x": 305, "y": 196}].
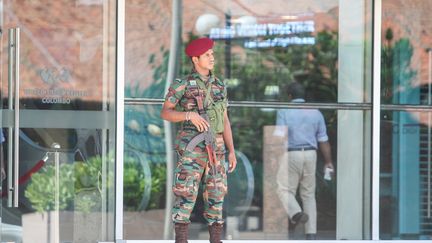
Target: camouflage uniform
[{"x": 194, "y": 167}]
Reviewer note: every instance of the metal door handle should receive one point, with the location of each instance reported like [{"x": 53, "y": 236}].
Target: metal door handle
[
  {"x": 16, "y": 115},
  {"x": 13, "y": 104},
  {"x": 429, "y": 136},
  {"x": 10, "y": 107}
]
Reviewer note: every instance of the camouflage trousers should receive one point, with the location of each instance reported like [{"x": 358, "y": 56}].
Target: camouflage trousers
[{"x": 193, "y": 169}]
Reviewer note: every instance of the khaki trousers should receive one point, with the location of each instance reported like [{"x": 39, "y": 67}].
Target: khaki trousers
[{"x": 297, "y": 171}]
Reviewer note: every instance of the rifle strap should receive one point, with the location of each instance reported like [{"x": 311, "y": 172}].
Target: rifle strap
[
  {"x": 196, "y": 88},
  {"x": 209, "y": 99},
  {"x": 199, "y": 100}
]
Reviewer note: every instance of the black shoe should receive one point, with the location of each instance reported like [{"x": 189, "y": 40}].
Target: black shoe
[
  {"x": 310, "y": 236},
  {"x": 299, "y": 218},
  {"x": 296, "y": 227}
]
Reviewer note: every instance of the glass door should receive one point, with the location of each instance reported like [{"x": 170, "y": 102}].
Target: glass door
[
  {"x": 58, "y": 120},
  {"x": 405, "y": 204},
  {"x": 260, "y": 49}
]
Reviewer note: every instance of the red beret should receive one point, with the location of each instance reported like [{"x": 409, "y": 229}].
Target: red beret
[{"x": 198, "y": 47}]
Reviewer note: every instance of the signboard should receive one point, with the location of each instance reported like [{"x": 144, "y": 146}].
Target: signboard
[{"x": 282, "y": 35}]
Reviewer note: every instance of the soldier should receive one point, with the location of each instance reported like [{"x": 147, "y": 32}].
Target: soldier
[{"x": 199, "y": 102}]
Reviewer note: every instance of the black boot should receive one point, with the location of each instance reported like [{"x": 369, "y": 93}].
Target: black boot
[
  {"x": 215, "y": 231},
  {"x": 181, "y": 232}
]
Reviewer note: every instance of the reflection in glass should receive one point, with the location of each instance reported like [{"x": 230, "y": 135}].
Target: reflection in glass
[
  {"x": 256, "y": 43},
  {"x": 266, "y": 46},
  {"x": 251, "y": 211},
  {"x": 144, "y": 195},
  {"x": 61, "y": 185},
  {"x": 147, "y": 38},
  {"x": 405, "y": 174},
  {"x": 406, "y": 59},
  {"x": 64, "y": 61},
  {"x": 314, "y": 42},
  {"x": 66, "y": 128},
  {"x": 255, "y": 139}
]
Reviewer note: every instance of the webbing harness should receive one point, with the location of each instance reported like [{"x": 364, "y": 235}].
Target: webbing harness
[{"x": 206, "y": 136}]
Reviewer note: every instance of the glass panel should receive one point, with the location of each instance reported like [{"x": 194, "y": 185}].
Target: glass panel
[
  {"x": 145, "y": 175},
  {"x": 252, "y": 209},
  {"x": 256, "y": 43},
  {"x": 259, "y": 198},
  {"x": 148, "y": 33},
  {"x": 270, "y": 44},
  {"x": 405, "y": 143},
  {"x": 64, "y": 62},
  {"x": 406, "y": 52},
  {"x": 405, "y": 192},
  {"x": 261, "y": 48},
  {"x": 60, "y": 128}
]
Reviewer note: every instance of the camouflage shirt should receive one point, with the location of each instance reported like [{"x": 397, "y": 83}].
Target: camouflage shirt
[{"x": 179, "y": 93}]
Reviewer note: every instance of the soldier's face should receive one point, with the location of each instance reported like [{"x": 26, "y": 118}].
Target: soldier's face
[{"x": 206, "y": 60}]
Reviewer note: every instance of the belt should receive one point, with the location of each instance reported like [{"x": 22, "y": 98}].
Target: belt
[{"x": 301, "y": 149}]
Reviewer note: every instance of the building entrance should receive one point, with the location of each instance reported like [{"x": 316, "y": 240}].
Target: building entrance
[{"x": 58, "y": 121}]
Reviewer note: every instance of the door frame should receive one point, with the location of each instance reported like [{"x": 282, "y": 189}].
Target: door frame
[
  {"x": 120, "y": 76},
  {"x": 94, "y": 119}
]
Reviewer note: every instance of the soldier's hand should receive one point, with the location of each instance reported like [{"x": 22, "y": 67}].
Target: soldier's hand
[
  {"x": 232, "y": 161},
  {"x": 200, "y": 123}
]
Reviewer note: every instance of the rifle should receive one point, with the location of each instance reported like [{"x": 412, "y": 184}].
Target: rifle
[
  {"x": 206, "y": 136},
  {"x": 209, "y": 141}
]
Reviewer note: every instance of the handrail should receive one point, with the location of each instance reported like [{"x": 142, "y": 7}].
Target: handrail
[{"x": 307, "y": 105}]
